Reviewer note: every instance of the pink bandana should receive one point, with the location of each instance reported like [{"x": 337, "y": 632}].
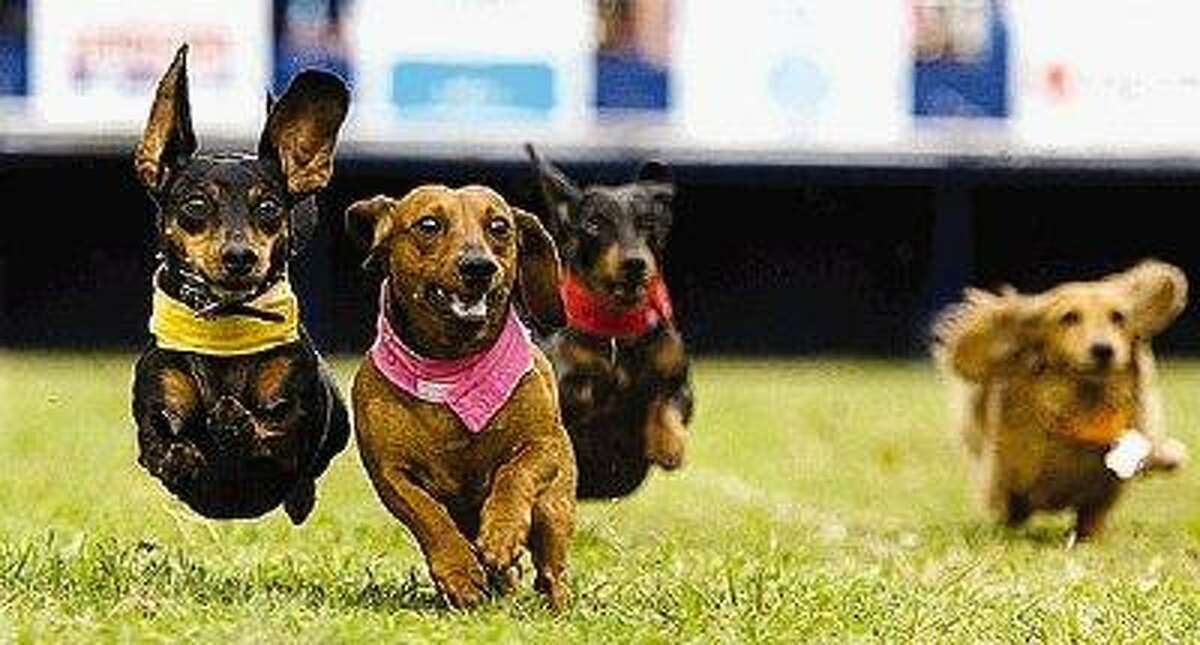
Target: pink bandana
[{"x": 474, "y": 387}]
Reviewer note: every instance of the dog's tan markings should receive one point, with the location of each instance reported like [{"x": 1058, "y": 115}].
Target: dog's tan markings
[
  {"x": 607, "y": 268},
  {"x": 665, "y": 434},
  {"x": 270, "y": 379},
  {"x": 178, "y": 391},
  {"x": 668, "y": 356}
]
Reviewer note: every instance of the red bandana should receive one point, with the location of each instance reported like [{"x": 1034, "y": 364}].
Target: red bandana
[{"x": 596, "y": 314}]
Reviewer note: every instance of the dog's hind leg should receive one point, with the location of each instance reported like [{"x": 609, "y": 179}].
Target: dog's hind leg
[
  {"x": 549, "y": 538},
  {"x": 300, "y": 501},
  {"x": 1017, "y": 510}
]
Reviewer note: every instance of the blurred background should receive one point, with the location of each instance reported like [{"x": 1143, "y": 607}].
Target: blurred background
[{"x": 845, "y": 167}]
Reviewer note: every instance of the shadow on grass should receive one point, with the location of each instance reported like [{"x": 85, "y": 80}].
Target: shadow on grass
[{"x": 1041, "y": 532}]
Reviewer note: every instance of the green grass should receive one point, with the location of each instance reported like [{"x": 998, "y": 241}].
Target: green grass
[{"x": 823, "y": 501}]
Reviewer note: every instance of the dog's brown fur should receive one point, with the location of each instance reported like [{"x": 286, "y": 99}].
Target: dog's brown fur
[
  {"x": 1048, "y": 382},
  {"x": 472, "y": 501}
]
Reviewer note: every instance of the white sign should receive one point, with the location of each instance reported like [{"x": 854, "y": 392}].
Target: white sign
[
  {"x": 471, "y": 64},
  {"x": 96, "y": 63},
  {"x": 771, "y": 72},
  {"x": 1118, "y": 75}
]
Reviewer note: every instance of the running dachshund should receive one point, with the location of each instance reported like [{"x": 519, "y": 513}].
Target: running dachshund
[
  {"x": 622, "y": 366},
  {"x": 235, "y": 411}
]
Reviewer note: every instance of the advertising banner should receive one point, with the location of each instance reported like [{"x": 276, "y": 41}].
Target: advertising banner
[
  {"x": 95, "y": 64},
  {"x": 1115, "y": 77},
  {"x": 786, "y": 72},
  {"x": 476, "y": 63}
]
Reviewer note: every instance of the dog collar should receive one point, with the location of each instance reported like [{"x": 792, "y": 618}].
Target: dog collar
[
  {"x": 598, "y": 315},
  {"x": 473, "y": 387},
  {"x": 1102, "y": 427},
  {"x": 178, "y": 327}
]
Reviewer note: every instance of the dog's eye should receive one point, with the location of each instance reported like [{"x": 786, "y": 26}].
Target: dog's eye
[
  {"x": 1070, "y": 318},
  {"x": 592, "y": 224},
  {"x": 499, "y": 228},
  {"x": 428, "y": 225},
  {"x": 193, "y": 213},
  {"x": 1117, "y": 317},
  {"x": 267, "y": 209}
]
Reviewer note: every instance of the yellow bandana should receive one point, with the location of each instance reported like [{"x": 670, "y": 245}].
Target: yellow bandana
[{"x": 177, "y": 327}]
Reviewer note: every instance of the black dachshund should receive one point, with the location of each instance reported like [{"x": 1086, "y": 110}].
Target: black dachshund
[
  {"x": 236, "y": 413},
  {"x": 623, "y": 370}
]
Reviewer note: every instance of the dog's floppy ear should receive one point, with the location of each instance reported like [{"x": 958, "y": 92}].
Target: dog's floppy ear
[
  {"x": 981, "y": 334},
  {"x": 1159, "y": 293},
  {"x": 369, "y": 222},
  {"x": 168, "y": 139},
  {"x": 561, "y": 194},
  {"x": 659, "y": 178},
  {"x": 302, "y": 129},
  {"x": 538, "y": 270}
]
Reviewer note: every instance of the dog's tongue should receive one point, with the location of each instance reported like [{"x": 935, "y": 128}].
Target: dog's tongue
[{"x": 474, "y": 311}]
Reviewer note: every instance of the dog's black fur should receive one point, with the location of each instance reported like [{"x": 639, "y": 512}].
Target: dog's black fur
[
  {"x": 234, "y": 437},
  {"x": 612, "y": 391}
]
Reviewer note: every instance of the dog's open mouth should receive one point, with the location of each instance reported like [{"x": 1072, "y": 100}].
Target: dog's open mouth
[{"x": 467, "y": 307}]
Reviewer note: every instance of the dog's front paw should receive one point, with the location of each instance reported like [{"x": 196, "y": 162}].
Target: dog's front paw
[
  {"x": 665, "y": 436},
  {"x": 500, "y": 544},
  {"x": 1169, "y": 454},
  {"x": 180, "y": 463},
  {"x": 555, "y": 589},
  {"x": 459, "y": 578}
]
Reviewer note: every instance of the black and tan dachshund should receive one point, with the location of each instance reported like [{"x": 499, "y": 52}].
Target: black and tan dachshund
[
  {"x": 235, "y": 411},
  {"x": 621, "y": 363}
]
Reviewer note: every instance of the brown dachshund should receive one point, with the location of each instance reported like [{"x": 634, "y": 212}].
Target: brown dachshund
[
  {"x": 623, "y": 369},
  {"x": 1056, "y": 390},
  {"x": 456, "y": 410},
  {"x": 235, "y": 411}
]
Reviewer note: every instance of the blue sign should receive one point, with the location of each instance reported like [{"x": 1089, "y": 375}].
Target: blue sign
[{"x": 433, "y": 90}]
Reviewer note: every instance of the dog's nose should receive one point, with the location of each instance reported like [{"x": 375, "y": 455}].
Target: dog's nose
[
  {"x": 238, "y": 259},
  {"x": 477, "y": 268},
  {"x": 634, "y": 269},
  {"x": 1102, "y": 353}
]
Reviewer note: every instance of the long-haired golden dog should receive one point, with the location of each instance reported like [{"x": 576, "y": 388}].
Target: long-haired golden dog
[{"x": 1056, "y": 390}]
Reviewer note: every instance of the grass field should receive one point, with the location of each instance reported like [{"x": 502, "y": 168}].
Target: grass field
[{"x": 823, "y": 501}]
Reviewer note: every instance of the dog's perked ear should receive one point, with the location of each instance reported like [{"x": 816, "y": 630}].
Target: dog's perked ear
[
  {"x": 369, "y": 222},
  {"x": 168, "y": 139},
  {"x": 538, "y": 271},
  {"x": 302, "y": 129},
  {"x": 1159, "y": 293},
  {"x": 561, "y": 194}
]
